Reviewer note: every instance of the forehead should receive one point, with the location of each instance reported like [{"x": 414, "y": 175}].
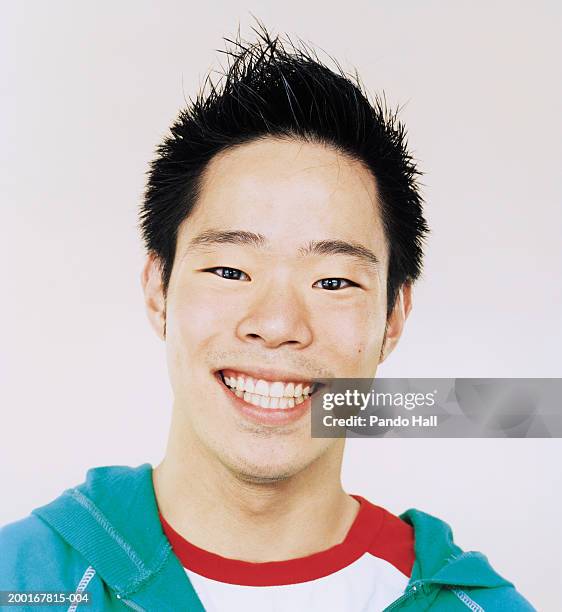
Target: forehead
[{"x": 290, "y": 191}]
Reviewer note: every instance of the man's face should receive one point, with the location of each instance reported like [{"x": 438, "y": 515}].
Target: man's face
[{"x": 250, "y": 298}]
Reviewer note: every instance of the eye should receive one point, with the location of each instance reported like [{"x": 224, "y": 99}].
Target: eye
[
  {"x": 229, "y": 273},
  {"x": 333, "y": 284}
]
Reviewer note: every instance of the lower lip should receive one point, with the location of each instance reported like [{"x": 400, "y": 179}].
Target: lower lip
[{"x": 265, "y": 416}]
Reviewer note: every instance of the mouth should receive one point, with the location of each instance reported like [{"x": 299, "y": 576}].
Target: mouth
[{"x": 274, "y": 399}]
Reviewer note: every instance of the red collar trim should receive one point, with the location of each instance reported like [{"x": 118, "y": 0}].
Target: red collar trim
[{"x": 362, "y": 533}]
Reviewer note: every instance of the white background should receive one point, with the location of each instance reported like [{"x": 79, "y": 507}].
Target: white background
[{"x": 89, "y": 89}]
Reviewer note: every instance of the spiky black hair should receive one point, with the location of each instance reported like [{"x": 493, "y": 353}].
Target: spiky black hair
[{"x": 275, "y": 88}]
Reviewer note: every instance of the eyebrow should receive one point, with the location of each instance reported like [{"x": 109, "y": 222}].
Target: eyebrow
[
  {"x": 210, "y": 238},
  {"x": 213, "y": 237},
  {"x": 341, "y": 247}
]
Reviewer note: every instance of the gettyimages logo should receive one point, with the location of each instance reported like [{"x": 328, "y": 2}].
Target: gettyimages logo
[
  {"x": 439, "y": 408},
  {"x": 354, "y": 398}
]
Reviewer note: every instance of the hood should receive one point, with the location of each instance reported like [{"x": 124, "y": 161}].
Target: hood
[
  {"x": 440, "y": 561},
  {"x": 112, "y": 521}
]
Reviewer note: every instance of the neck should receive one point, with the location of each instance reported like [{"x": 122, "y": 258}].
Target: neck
[{"x": 217, "y": 509}]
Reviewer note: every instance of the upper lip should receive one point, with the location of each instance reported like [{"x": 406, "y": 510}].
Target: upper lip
[{"x": 269, "y": 374}]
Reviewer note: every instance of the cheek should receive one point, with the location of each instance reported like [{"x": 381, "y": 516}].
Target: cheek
[
  {"x": 192, "y": 321},
  {"x": 354, "y": 333}
]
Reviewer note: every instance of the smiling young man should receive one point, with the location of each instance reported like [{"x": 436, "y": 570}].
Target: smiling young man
[{"x": 284, "y": 230}]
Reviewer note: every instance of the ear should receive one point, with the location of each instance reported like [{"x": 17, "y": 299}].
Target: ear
[
  {"x": 395, "y": 323},
  {"x": 154, "y": 299}
]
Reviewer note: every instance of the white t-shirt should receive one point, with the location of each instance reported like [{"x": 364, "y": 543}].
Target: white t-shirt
[{"x": 366, "y": 572}]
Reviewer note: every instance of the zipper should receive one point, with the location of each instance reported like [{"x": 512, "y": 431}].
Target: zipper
[
  {"x": 413, "y": 589},
  {"x": 130, "y": 604}
]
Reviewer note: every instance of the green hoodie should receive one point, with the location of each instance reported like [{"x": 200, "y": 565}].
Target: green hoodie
[{"x": 104, "y": 538}]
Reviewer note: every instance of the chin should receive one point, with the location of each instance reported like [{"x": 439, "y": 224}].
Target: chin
[
  {"x": 263, "y": 478},
  {"x": 263, "y": 471}
]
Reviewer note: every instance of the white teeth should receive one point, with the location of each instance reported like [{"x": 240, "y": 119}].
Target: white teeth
[
  {"x": 268, "y": 395},
  {"x": 276, "y": 389},
  {"x": 249, "y": 385},
  {"x": 262, "y": 388}
]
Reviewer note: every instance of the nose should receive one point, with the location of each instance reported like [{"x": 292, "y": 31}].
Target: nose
[{"x": 276, "y": 317}]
